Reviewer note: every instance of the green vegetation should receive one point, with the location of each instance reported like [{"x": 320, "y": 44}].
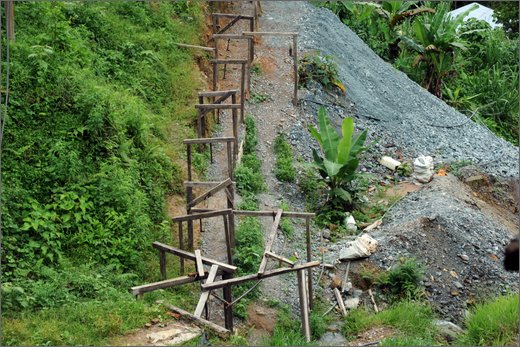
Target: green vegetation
[
  {"x": 257, "y": 97},
  {"x": 339, "y": 161},
  {"x": 284, "y": 167},
  {"x": 472, "y": 67},
  {"x": 321, "y": 69},
  {"x": 286, "y": 225},
  {"x": 256, "y": 69},
  {"x": 249, "y": 236},
  {"x": 96, "y": 92},
  {"x": 403, "y": 280},
  {"x": 494, "y": 323},
  {"x": 287, "y": 331},
  {"x": 412, "y": 321}
]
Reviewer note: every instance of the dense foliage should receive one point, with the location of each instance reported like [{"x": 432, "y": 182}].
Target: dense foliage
[
  {"x": 470, "y": 66},
  {"x": 96, "y": 92}
]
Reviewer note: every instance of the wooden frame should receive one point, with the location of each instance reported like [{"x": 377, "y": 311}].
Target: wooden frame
[
  {"x": 217, "y": 105},
  {"x": 242, "y": 62}
]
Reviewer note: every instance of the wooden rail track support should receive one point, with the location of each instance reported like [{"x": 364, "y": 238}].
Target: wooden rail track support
[
  {"x": 294, "y": 36},
  {"x": 217, "y": 97},
  {"x": 243, "y": 86},
  {"x": 204, "y": 109},
  {"x": 234, "y": 18}
]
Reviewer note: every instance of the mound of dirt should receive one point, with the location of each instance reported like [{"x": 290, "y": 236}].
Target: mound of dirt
[
  {"x": 395, "y": 109},
  {"x": 459, "y": 239}
]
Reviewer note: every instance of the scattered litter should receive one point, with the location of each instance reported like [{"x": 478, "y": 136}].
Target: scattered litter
[
  {"x": 390, "y": 163},
  {"x": 361, "y": 247},
  {"x": 373, "y": 226},
  {"x": 423, "y": 169},
  {"x": 350, "y": 223}
]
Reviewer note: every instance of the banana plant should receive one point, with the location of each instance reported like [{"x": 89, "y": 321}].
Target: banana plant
[
  {"x": 436, "y": 40},
  {"x": 339, "y": 160}
]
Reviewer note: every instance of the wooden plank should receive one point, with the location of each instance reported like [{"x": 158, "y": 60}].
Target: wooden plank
[
  {"x": 341, "y": 304},
  {"x": 205, "y": 295},
  {"x": 208, "y": 214},
  {"x": 220, "y": 331},
  {"x": 270, "y": 240},
  {"x": 231, "y": 15},
  {"x": 209, "y": 193},
  {"x": 208, "y": 140},
  {"x": 210, "y": 49},
  {"x": 231, "y": 36},
  {"x": 201, "y": 184},
  {"x": 304, "y": 307},
  {"x": 190, "y": 256},
  {"x": 207, "y": 94},
  {"x": 228, "y": 61},
  {"x": 198, "y": 262},
  {"x": 145, "y": 288},
  {"x": 255, "y": 277},
  {"x": 280, "y": 258},
  {"x": 217, "y": 106},
  {"x": 270, "y": 33},
  {"x": 273, "y": 213}
]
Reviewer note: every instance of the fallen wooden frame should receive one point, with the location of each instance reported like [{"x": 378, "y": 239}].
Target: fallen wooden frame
[
  {"x": 294, "y": 36},
  {"x": 243, "y": 63}
]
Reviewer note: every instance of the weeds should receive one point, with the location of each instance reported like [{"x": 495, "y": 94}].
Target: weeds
[
  {"x": 257, "y": 97},
  {"x": 284, "y": 167},
  {"x": 403, "y": 281},
  {"x": 286, "y": 225},
  {"x": 494, "y": 323},
  {"x": 321, "y": 69}
]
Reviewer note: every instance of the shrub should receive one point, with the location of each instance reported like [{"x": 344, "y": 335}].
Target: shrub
[
  {"x": 321, "y": 69},
  {"x": 284, "y": 167},
  {"x": 403, "y": 280}
]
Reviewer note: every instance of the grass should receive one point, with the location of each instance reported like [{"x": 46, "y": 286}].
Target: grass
[
  {"x": 257, "y": 97},
  {"x": 284, "y": 166},
  {"x": 286, "y": 225},
  {"x": 287, "y": 331},
  {"x": 494, "y": 323},
  {"x": 412, "y": 321}
]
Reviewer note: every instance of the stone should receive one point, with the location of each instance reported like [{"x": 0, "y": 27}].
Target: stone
[
  {"x": 326, "y": 234},
  {"x": 356, "y": 293},
  {"x": 176, "y": 334},
  {"x": 336, "y": 282},
  {"x": 448, "y": 329},
  {"x": 464, "y": 257},
  {"x": 351, "y": 303},
  {"x": 458, "y": 285}
]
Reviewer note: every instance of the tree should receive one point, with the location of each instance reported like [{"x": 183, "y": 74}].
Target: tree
[{"x": 506, "y": 12}]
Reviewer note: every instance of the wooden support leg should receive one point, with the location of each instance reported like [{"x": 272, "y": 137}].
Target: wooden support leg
[
  {"x": 230, "y": 160},
  {"x": 304, "y": 307},
  {"x": 242, "y": 91},
  {"x": 228, "y": 241},
  {"x": 181, "y": 246},
  {"x": 228, "y": 309},
  {"x": 235, "y": 123},
  {"x": 162, "y": 263},
  {"x": 295, "y": 57},
  {"x": 309, "y": 256}
]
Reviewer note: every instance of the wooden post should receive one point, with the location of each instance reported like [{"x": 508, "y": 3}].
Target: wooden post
[
  {"x": 162, "y": 264},
  {"x": 242, "y": 92},
  {"x": 309, "y": 256},
  {"x": 189, "y": 196},
  {"x": 215, "y": 75},
  {"x": 295, "y": 57},
  {"x": 235, "y": 120},
  {"x": 231, "y": 219},
  {"x": 228, "y": 240},
  {"x": 304, "y": 308},
  {"x": 229, "y": 159},
  {"x": 9, "y": 11},
  {"x": 228, "y": 309},
  {"x": 252, "y": 47},
  {"x": 181, "y": 246}
]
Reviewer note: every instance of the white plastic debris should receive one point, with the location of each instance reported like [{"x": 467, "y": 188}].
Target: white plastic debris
[
  {"x": 390, "y": 163},
  {"x": 361, "y": 247},
  {"x": 423, "y": 169}
]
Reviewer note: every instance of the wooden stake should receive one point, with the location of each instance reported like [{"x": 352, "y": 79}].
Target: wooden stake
[
  {"x": 181, "y": 246},
  {"x": 162, "y": 264},
  {"x": 304, "y": 307},
  {"x": 198, "y": 262},
  {"x": 373, "y": 300},
  {"x": 228, "y": 309},
  {"x": 340, "y": 302},
  {"x": 295, "y": 60},
  {"x": 309, "y": 256}
]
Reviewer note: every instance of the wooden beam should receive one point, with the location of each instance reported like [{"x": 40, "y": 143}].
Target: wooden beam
[
  {"x": 229, "y": 25},
  {"x": 202, "y": 215},
  {"x": 201, "y": 184},
  {"x": 304, "y": 306},
  {"x": 217, "y": 106},
  {"x": 270, "y": 240},
  {"x": 231, "y": 36},
  {"x": 228, "y": 61},
  {"x": 255, "y": 277},
  {"x": 190, "y": 256},
  {"x": 205, "y": 295},
  {"x": 209, "y": 193},
  {"x": 208, "y": 140},
  {"x": 231, "y": 15},
  {"x": 220, "y": 331},
  {"x": 280, "y": 258},
  {"x": 207, "y": 94},
  {"x": 164, "y": 284},
  {"x": 273, "y": 213},
  {"x": 272, "y": 33},
  {"x": 210, "y": 49},
  {"x": 198, "y": 262},
  {"x": 340, "y": 302}
]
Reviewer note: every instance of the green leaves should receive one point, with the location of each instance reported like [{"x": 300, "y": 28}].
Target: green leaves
[{"x": 338, "y": 164}]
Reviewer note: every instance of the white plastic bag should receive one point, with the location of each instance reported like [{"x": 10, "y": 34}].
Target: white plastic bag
[
  {"x": 361, "y": 247},
  {"x": 423, "y": 169}
]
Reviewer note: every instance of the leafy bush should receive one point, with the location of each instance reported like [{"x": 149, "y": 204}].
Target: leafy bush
[
  {"x": 284, "y": 167},
  {"x": 339, "y": 161},
  {"x": 248, "y": 175},
  {"x": 321, "y": 69},
  {"x": 493, "y": 323},
  {"x": 403, "y": 280},
  {"x": 286, "y": 225}
]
